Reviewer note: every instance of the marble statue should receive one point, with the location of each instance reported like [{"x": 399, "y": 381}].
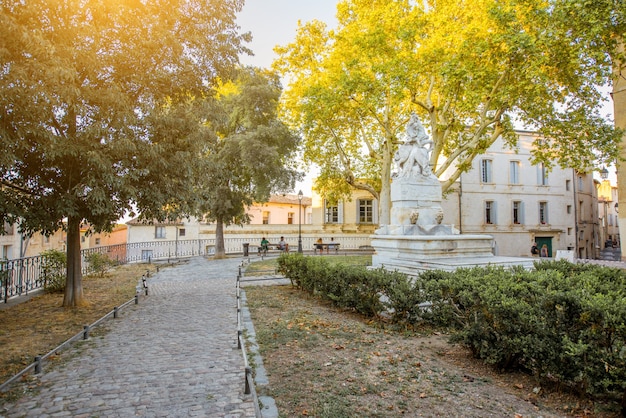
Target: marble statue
[{"x": 413, "y": 156}]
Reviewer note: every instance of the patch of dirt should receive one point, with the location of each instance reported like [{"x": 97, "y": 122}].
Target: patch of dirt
[{"x": 325, "y": 362}]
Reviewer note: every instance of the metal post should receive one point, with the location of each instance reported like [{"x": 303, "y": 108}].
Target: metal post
[{"x": 300, "y": 222}]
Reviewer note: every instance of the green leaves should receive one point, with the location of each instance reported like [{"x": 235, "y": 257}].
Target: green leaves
[
  {"x": 94, "y": 104},
  {"x": 247, "y": 152},
  {"x": 466, "y": 67}
]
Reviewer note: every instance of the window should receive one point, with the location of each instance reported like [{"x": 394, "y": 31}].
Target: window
[
  {"x": 6, "y": 252},
  {"x": 366, "y": 211},
  {"x": 581, "y": 210},
  {"x": 518, "y": 212},
  {"x": 580, "y": 183},
  {"x": 331, "y": 215},
  {"x": 569, "y": 231},
  {"x": 542, "y": 175},
  {"x": 159, "y": 232},
  {"x": 568, "y": 185},
  {"x": 514, "y": 172},
  {"x": 569, "y": 209},
  {"x": 485, "y": 171},
  {"x": 543, "y": 212},
  {"x": 82, "y": 238},
  {"x": 290, "y": 218},
  {"x": 490, "y": 212},
  {"x": 181, "y": 232},
  {"x": 610, "y": 219},
  {"x": 266, "y": 218},
  {"x": 97, "y": 241}
]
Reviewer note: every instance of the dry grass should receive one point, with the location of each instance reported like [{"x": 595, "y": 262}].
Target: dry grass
[
  {"x": 325, "y": 362},
  {"x": 40, "y": 324}
]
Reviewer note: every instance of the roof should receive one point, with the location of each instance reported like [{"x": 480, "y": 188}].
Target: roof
[
  {"x": 137, "y": 221},
  {"x": 289, "y": 199}
]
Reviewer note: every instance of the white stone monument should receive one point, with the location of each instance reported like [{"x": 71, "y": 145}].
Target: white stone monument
[{"x": 416, "y": 239}]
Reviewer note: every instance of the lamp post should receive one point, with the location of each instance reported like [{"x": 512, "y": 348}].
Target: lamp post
[
  {"x": 604, "y": 173},
  {"x": 300, "y": 222}
]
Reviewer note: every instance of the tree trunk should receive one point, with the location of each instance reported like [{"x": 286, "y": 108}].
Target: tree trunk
[
  {"x": 384, "y": 209},
  {"x": 619, "y": 110},
  {"x": 74, "y": 278},
  {"x": 220, "y": 251}
]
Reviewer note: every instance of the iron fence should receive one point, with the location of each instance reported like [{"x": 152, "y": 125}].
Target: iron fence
[{"x": 24, "y": 275}]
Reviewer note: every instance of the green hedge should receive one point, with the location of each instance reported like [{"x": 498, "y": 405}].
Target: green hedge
[{"x": 563, "y": 322}]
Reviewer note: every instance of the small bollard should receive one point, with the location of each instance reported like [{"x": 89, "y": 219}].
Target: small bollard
[
  {"x": 136, "y": 299},
  {"x": 115, "y": 309},
  {"x": 144, "y": 284},
  {"x": 239, "y": 334},
  {"x": 147, "y": 273},
  {"x": 85, "y": 332},
  {"x": 246, "y": 388},
  {"x": 37, "y": 364},
  {"x": 157, "y": 269}
]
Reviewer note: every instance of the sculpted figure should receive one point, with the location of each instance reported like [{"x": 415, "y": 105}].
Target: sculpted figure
[{"x": 412, "y": 157}]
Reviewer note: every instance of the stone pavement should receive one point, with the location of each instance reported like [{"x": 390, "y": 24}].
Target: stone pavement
[{"x": 173, "y": 355}]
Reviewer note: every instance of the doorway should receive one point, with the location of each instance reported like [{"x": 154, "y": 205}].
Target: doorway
[{"x": 544, "y": 240}]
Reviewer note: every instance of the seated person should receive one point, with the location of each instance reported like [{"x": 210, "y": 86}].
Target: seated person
[
  {"x": 264, "y": 245},
  {"x": 331, "y": 245},
  {"x": 318, "y": 245},
  {"x": 282, "y": 245}
]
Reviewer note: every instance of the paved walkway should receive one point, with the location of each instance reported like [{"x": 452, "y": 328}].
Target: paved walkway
[{"x": 173, "y": 355}]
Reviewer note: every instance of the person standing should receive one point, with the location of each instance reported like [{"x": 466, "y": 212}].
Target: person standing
[
  {"x": 544, "y": 251},
  {"x": 534, "y": 250}
]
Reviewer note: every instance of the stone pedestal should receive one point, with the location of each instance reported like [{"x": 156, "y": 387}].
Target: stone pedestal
[{"x": 416, "y": 240}]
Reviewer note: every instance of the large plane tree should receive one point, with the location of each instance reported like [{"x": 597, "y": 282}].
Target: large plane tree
[
  {"x": 471, "y": 69},
  {"x": 91, "y": 94}
]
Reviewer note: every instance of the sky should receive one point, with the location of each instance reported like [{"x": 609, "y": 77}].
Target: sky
[{"x": 274, "y": 22}]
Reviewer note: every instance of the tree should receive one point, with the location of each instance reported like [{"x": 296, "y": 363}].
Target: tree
[
  {"x": 470, "y": 69},
  {"x": 89, "y": 92},
  {"x": 249, "y": 153}
]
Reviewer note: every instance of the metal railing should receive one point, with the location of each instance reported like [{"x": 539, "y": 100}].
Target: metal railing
[
  {"x": 249, "y": 388},
  {"x": 21, "y": 276},
  {"x": 37, "y": 365}
]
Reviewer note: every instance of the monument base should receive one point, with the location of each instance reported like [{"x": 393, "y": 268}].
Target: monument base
[{"x": 412, "y": 254}]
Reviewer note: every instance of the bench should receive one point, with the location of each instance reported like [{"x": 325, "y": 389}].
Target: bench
[
  {"x": 269, "y": 247},
  {"x": 326, "y": 245}
]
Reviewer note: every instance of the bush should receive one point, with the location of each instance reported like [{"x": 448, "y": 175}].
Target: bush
[
  {"x": 54, "y": 266},
  {"x": 99, "y": 263}
]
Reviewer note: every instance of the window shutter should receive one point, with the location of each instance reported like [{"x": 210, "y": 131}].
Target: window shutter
[
  {"x": 340, "y": 210},
  {"x": 494, "y": 212},
  {"x": 375, "y": 211}
]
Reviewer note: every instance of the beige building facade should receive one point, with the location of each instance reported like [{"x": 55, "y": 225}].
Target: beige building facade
[{"x": 518, "y": 203}]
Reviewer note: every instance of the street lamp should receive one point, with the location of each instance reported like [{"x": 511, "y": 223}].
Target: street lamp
[
  {"x": 300, "y": 222},
  {"x": 604, "y": 173}
]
